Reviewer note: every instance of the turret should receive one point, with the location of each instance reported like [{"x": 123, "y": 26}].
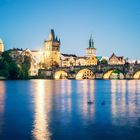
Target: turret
[
  {"x": 52, "y": 35},
  {"x": 59, "y": 41},
  {"x": 56, "y": 39}
]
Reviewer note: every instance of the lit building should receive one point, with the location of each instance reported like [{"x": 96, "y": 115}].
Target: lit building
[
  {"x": 36, "y": 57},
  {"x": 52, "y": 51},
  {"x": 36, "y": 62},
  {"x": 91, "y": 61},
  {"x": 116, "y": 60},
  {"x": 68, "y": 60},
  {"x": 91, "y": 51},
  {"x": 81, "y": 61},
  {"x": 1, "y": 46},
  {"x": 15, "y": 53}
]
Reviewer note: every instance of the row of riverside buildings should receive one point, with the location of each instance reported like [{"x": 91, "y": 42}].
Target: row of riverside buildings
[{"x": 52, "y": 57}]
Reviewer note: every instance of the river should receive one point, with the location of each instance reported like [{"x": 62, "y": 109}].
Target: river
[{"x": 58, "y": 110}]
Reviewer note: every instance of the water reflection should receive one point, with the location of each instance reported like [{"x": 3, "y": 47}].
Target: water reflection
[
  {"x": 58, "y": 109},
  {"x": 86, "y": 88},
  {"x": 124, "y": 98},
  {"x": 118, "y": 90},
  {"x": 65, "y": 91},
  {"x": 49, "y": 94},
  {"x": 42, "y": 108},
  {"x": 2, "y": 97}
]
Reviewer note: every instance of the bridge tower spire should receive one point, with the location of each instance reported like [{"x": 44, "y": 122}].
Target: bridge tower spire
[{"x": 91, "y": 50}]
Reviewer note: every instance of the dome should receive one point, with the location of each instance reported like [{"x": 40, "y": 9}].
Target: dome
[{"x": 1, "y": 42}]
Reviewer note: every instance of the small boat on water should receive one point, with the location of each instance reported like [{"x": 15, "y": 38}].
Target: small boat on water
[{"x": 90, "y": 102}]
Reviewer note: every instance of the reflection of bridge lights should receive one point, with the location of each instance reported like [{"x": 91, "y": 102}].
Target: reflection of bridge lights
[
  {"x": 118, "y": 97},
  {"x": 2, "y": 96},
  {"x": 132, "y": 86},
  {"x": 41, "y": 130},
  {"x": 86, "y": 89},
  {"x": 91, "y": 95},
  {"x": 123, "y": 101},
  {"x": 132, "y": 97},
  {"x": 122, "y": 87},
  {"x": 113, "y": 97},
  {"x": 65, "y": 91}
]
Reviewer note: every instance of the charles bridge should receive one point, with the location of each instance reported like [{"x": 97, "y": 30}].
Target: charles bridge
[{"x": 102, "y": 71}]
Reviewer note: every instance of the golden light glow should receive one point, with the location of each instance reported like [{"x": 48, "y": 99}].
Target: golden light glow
[
  {"x": 60, "y": 75},
  {"x": 137, "y": 75},
  {"x": 2, "y": 96},
  {"x": 85, "y": 74},
  {"x": 41, "y": 127},
  {"x": 124, "y": 98},
  {"x": 65, "y": 90},
  {"x": 118, "y": 99},
  {"x": 107, "y": 74},
  {"x": 113, "y": 97},
  {"x": 87, "y": 88},
  {"x": 132, "y": 89}
]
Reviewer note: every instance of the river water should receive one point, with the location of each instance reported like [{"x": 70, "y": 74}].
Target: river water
[{"x": 58, "y": 110}]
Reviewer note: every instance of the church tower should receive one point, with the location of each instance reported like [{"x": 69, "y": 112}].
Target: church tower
[
  {"x": 1, "y": 46},
  {"x": 91, "y": 51},
  {"x": 52, "y": 51}
]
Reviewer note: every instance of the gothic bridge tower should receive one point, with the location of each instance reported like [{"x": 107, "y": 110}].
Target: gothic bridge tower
[{"x": 52, "y": 51}]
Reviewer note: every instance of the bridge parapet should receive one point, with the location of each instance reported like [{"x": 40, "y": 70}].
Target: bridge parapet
[{"x": 128, "y": 70}]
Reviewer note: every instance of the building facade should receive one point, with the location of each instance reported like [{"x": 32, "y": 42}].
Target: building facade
[
  {"x": 92, "y": 60},
  {"x": 36, "y": 62},
  {"x": 116, "y": 60},
  {"x": 36, "y": 57},
  {"x": 52, "y": 51},
  {"x": 68, "y": 60}
]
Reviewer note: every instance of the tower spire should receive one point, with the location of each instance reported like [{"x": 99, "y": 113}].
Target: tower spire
[
  {"x": 52, "y": 35},
  {"x": 91, "y": 42},
  {"x": 56, "y": 39}
]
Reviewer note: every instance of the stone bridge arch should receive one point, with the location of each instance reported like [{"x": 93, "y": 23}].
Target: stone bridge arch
[
  {"x": 60, "y": 74},
  {"x": 137, "y": 74},
  {"x": 108, "y": 73},
  {"x": 85, "y": 74}
]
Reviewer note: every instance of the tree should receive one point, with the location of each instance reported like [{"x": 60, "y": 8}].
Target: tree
[
  {"x": 25, "y": 67},
  {"x": 8, "y": 68},
  {"x": 104, "y": 61},
  {"x": 14, "y": 71}
]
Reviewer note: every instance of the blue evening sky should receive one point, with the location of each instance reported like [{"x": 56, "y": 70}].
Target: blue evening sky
[{"x": 115, "y": 25}]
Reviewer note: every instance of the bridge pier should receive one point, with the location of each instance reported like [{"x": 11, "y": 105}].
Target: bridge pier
[
  {"x": 99, "y": 76},
  {"x": 129, "y": 76}
]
